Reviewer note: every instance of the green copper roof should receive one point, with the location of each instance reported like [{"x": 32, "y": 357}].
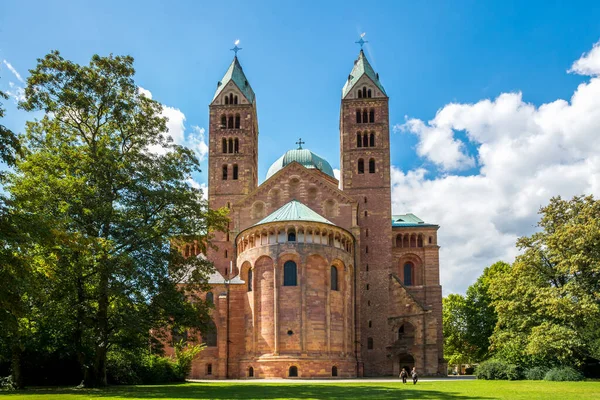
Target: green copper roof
[
  {"x": 361, "y": 67},
  {"x": 294, "y": 211},
  {"x": 235, "y": 73},
  {"x": 410, "y": 220},
  {"x": 303, "y": 156}
]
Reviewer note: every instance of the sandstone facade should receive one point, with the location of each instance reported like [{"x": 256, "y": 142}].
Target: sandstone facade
[{"x": 316, "y": 278}]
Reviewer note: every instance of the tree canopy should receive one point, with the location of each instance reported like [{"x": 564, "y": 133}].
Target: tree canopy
[{"x": 117, "y": 212}]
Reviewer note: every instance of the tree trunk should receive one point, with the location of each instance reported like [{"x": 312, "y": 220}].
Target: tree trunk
[
  {"x": 102, "y": 317},
  {"x": 16, "y": 366}
]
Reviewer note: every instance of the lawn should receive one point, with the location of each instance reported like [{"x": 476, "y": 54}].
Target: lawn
[{"x": 337, "y": 390}]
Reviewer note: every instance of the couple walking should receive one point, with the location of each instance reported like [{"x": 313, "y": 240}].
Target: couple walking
[{"x": 404, "y": 375}]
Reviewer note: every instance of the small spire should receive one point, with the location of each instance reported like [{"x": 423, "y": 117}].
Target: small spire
[
  {"x": 362, "y": 41},
  {"x": 300, "y": 143},
  {"x": 235, "y": 47}
]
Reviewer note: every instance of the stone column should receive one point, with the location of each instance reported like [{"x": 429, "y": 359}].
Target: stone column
[{"x": 275, "y": 309}]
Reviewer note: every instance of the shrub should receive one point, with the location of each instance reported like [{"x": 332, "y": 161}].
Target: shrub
[
  {"x": 128, "y": 368},
  {"x": 536, "y": 373},
  {"x": 7, "y": 383},
  {"x": 497, "y": 370},
  {"x": 563, "y": 374}
]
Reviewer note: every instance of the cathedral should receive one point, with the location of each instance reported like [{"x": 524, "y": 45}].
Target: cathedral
[{"x": 315, "y": 278}]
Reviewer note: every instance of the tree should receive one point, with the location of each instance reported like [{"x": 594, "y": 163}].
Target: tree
[
  {"x": 118, "y": 211},
  {"x": 457, "y": 348},
  {"x": 480, "y": 314},
  {"x": 548, "y": 304}
]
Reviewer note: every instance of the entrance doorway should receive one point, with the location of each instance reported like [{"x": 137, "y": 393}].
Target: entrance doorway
[{"x": 406, "y": 361}]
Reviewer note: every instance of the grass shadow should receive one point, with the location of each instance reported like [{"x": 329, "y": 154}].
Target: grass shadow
[{"x": 257, "y": 391}]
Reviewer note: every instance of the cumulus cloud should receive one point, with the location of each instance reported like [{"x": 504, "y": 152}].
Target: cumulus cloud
[
  {"x": 525, "y": 153},
  {"x": 194, "y": 140},
  {"x": 201, "y": 186}
]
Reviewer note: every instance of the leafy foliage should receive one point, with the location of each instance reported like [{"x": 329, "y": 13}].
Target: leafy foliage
[
  {"x": 535, "y": 373},
  {"x": 547, "y": 304},
  {"x": 563, "y": 374},
  {"x": 100, "y": 173},
  {"x": 497, "y": 370}
]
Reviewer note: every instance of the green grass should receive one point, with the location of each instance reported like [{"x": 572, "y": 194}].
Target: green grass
[{"x": 336, "y": 390}]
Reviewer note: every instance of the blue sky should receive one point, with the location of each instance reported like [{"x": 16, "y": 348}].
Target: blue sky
[{"x": 297, "y": 55}]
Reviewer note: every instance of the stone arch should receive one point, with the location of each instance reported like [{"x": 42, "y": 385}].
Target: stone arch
[
  {"x": 341, "y": 274},
  {"x": 312, "y": 193},
  {"x": 263, "y": 276},
  {"x": 274, "y": 197},
  {"x": 330, "y": 208},
  {"x": 245, "y": 272},
  {"x": 399, "y": 240}
]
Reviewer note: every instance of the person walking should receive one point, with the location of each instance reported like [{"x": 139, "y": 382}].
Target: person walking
[
  {"x": 403, "y": 375},
  {"x": 415, "y": 376}
]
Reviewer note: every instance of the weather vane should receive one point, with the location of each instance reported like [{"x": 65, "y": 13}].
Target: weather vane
[
  {"x": 235, "y": 47},
  {"x": 300, "y": 143},
  {"x": 362, "y": 41}
]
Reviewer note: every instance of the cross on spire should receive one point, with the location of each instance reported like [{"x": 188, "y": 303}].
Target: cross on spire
[
  {"x": 235, "y": 47},
  {"x": 300, "y": 143},
  {"x": 362, "y": 41}
]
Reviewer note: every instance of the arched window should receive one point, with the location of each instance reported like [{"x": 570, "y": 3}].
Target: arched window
[
  {"x": 370, "y": 324},
  {"x": 365, "y": 140},
  {"x": 334, "y": 278},
  {"x": 226, "y": 100},
  {"x": 235, "y": 100},
  {"x": 230, "y": 145},
  {"x": 401, "y": 332},
  {"x": 236, "y": 145},
  {"x": 369, "y": 93},
  {"x": 370, "y": 343},
  {"x": 293, "y": 371},
  {"x": 251, "y": 372},
  {"x": 289, "y": 274},
  {"x": 420, "y": 241},
  {"x": 235, "y": 172},
  {"x": 209, "y": 366},
  {"x": 230, "y": 122},
  {"x": 430, "y": 240},
  {"x": 359, "y": 94},
  {"x": 358, "y": 139},
  {"x": 224, "y": 145},
  {"x": 249, "y": 280},
  {"x": 372, "y": 139},
  {"x": 398, "y": 240},
  {"x": 210, "y": 334},
  {"x": 210, "y": 298},
  {"x": 224, "y": 172},
  {"x": 358, "y": 117},
  {"x": 365, "y": 200},
  {"x": 223, "y": 122},
  {"x": 237, "y": 121},
  {"x": 361, "y": 166},
  {"x": 372, "y": 115},
  {"x": 367, "y": 232},
  {"x": 364, "y": 91},
  {"x": 230, "y": 98},
  {"x": 365, "y": 116},
  {"x": 334, "y": 371},
  {"x": 366, "y": 213},
  {"x": 367, "y": 249},
  {"x": 408, "y": 274},
  {"x": 372, "y": 166},
  {"x": 291, "y": 236}
]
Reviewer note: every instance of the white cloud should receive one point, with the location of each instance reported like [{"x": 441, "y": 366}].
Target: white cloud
[
  {"x": 14, "y": 71},
  {"x": 526, "y": 155},
  {"x": 197, "y": 185},
  {"x": 195, "y": 140},
  {"x": 589, "y": 63},
  {"x": 16, "y": 92}
]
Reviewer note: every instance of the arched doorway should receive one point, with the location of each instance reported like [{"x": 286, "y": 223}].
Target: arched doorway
[{"x": 406, "y": 361}]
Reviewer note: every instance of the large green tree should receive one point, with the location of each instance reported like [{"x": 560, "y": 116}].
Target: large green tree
[
  {"x": 117, "y": 209},
  {"x": 548, "y": 304},
  {"x": 457, "y": 348}
]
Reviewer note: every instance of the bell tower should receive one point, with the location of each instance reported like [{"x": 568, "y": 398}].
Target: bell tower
[
  {"x": 233, "y": 151},
  {"x": 365, "y": 176}
]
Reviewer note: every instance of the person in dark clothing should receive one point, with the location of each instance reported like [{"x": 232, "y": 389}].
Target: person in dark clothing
[
  {"x": 403, "y": 375},
  {"x": 414, "y": 375}
]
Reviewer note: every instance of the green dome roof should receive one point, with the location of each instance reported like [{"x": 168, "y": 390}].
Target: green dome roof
[{"x": 303, "y": 156}]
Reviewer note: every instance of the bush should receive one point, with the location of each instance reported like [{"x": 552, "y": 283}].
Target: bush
[
  {"x": 563, "y": 374},
  {"x": 536, "y": 373},
  {"x": 497, "y": 370},
  {"x": 125, "y": 368},
  {"x": 7, "y": 383}
]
